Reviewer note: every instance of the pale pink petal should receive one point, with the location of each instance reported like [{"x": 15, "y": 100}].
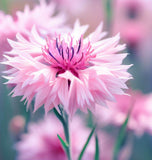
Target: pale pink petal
[{"x": 67, "y": 69}]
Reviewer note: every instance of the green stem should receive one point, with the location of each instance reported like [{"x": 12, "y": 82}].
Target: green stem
[
  {"x": 63, "y": 117},
  {"x": 86, "y": 144},
  {"x": 108, "y": 12},
  {"x": 66, "y": 128},
  {"x": 58, "y": 115},
  {"x": 121, "y": 138},
  {"x": 67, "y": 136},
  {"x": 97, "y": 147}
]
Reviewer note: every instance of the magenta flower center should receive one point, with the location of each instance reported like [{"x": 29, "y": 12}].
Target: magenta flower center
[{"x": 67, "y": 54}]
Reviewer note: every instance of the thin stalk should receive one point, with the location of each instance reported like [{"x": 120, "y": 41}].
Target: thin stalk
[
  {"x": 66, "y": 128},
  {"x": 86, "y": 144},
  {"x": 67, "y": 136},
  {"x": 97, "y": 147},
  {"x": 63, "y": 117},
  {"x": 108, "y": 13},
  {"x": 121, "y": 136}
]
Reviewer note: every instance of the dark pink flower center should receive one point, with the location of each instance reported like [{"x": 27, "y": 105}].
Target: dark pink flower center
[{"x": 67, "y": 54}]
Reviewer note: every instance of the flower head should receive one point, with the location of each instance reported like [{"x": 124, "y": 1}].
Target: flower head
[
  {"x": 7, "y": 30},
  {"x": 140, "y": 109},
  {"x": 67, "y": 69},
  {"x": 24, "y": 21},
  {"x": 41, "y": 141},
  {"x": 38, "y": 16}
]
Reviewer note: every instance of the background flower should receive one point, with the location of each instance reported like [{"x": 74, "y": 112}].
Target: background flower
[
  {"x": 82, "y": 10},
  {"x": 140, "y": 109},
  {"x": 7, "y": 30},
  {"x": 132, "y": 20},
  {"x": 23, "y": 22},
  {"x": 38, "y": 16},
  {"x": 41, "y": 141}
]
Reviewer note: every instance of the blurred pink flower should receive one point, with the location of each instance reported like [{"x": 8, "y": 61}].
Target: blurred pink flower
[
  {"x": 83, "y": 10},
  {"x": 67, "y": 69},
  {"x": 74, "y": 7},
  {"x": 140, "y": 119},
  {"x": 131, "y": 19},
  {"x": 107, "y": 144},
  {"x": 7, "y": 30},
  {"x": 132, "y": 34},
  {"x": 41, "y": 141},
  {"x": 17, "y": 124},
  {"x": 42, "y": 16}
]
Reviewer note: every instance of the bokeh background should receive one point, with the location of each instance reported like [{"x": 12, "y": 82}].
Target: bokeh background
[{"x": 133, "y": 19}]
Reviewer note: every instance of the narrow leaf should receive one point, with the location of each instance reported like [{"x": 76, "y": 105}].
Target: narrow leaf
[
  {"x": 97, "y": 148},
  {"x": 86, "y": 144},
  {"x": 121, "y": 137},
  {"x": 64, "y": 144}
]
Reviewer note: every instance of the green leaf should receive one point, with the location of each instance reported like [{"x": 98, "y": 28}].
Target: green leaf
[
  {"x": 97, "y": 148},
  {"x": 121, "y": 137},
  {"x": 86, "y": 144},
  {"x": 64, "y": 144}
]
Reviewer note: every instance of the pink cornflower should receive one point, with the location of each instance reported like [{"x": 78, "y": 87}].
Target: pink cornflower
[
  {"x": 41, "y": 141},
  {"x": 38, "y": 16},
  {"x": 84, "y": 10},
  {"x": 74, "y": 7},
  {"x": 7, "y": 30},
  {"x": 107, "y": 144},
  {"x": 140, "y": 120},
  {"x": 67, "y": 69},
  {"x": 131, "y": 19},
  {"x": 23, "y": 22}
]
